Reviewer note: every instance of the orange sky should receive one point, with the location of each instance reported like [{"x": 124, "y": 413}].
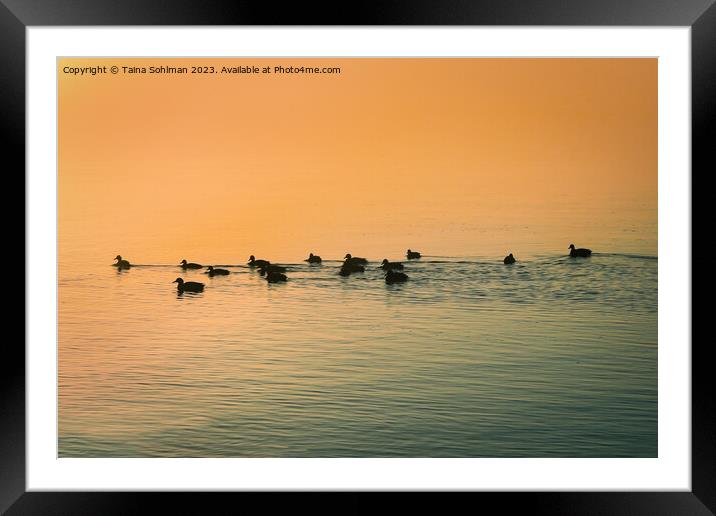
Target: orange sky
[{"x": 258, "y": 158}]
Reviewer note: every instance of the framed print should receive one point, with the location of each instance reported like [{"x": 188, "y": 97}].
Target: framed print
[{"x": 421, "y": 249}]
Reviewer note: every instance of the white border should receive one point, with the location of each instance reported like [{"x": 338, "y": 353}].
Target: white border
[{"x": 671, "y": 471}]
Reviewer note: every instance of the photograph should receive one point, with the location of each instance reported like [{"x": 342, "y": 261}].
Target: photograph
[{"x": 391, "y": 257}]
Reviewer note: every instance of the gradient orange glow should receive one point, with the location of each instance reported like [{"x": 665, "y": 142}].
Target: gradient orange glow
[{"x": 390, "y": 153}]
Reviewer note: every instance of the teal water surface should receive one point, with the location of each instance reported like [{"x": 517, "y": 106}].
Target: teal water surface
[{"x": 549, "y": 357}]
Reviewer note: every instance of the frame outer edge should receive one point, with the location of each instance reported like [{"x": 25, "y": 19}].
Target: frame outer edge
[
  {"x": 703, "y": 128},
  {"x": 12, "y": 138}
]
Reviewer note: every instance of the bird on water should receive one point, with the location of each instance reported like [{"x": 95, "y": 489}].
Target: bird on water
[
  {"x": 578, "y": 252},
  {"x": 275, "y": 277},
  {"x": 386, "y": 265},
  {"x": 185, "y": 265},
  {"x": 268, "y": 269},
  {"x": 509, "y": 259},
  {"x": 253, "y": 262},
  {"x": 188, "y": 286},
  {"x": 355, "y": 260},
  {"x": 312, "y": 258},
  {"x": 395, "y": 277},
  {"x": 122, "y": 264},
  {"x": 349, "y": 267},
  {"x": 211, "y": 271},
  {"x": 412, "y": 255}
]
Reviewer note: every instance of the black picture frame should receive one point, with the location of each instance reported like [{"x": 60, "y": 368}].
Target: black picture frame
[{"x": 699, "y": 15}]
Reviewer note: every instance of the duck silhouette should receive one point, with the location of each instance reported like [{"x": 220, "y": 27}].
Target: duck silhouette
[
  {"x": 395, "y": 277},
  {"x": 349, "y": 267},
  {"x": 579, "y": 252},
  {"x": 188, "y": 286},
  {"x": 253, "y": 262},
  {"x": 386, "y": 265},
  {"x": 122, "y": 264},
  {"x": 355, "y": 260},
  {"x": 267, "y": 269},
  {"x": 509, "y": 259},
  {"x": 312, "y": 258},
  {"x": 211, "y": 271},
  {"x": 275, "y": 277},
  {"x": 412, "y": 255},
  {"x": 184, "y": 265}
]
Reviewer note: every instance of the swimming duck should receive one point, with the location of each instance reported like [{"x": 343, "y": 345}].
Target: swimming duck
[
  {"x": 355, "y": 260},
  {"x": 509, "y": 259},
  {"x": 275, "y": 277},
  {"x": 188, "y": 286},
  {"x": 312, "y": 258},
  {"x": 391, "y": 265},
  {"x": 348, "y": 267},
  {"x": 122, "y": 264},
  {"x": 412, "y": 255},
  {"x": 578, "y": 252},
  {"x": 253, "y": 262},
  {"x": 395, "y": 277},
  {"x": 184, "y": 265},
  {"x": 216, "y": 272},
  {"x": 270, "y": 268}
]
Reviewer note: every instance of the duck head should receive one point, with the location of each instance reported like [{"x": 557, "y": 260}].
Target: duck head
[
  {"x": 252, "y": 258},
  {"x": 571, "y": 246},
  {"x": 179, "y": 280},
  {"x": 385, "y": 261},
  {"x": 118, "y": 258},
  {"x": 210, "y": 267},
  {"x": 183, "y": 262},
  {"x": 348, "y": 256}
]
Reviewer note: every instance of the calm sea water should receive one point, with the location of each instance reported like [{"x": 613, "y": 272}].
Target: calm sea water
[{"x": 550, "y": 357}]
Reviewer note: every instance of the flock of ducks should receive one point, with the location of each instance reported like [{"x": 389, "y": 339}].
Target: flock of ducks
[{"x": 351, "y": 264}]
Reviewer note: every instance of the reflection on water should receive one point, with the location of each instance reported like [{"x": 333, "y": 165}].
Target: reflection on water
[{"x": 549, "y": 357}]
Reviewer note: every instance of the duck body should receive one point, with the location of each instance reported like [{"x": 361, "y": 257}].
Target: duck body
[
  {"x": 188, "y": 265},
  {"x": 216, "y": 272},
  {"x": 349, "y": 267},
  {"x": 188, "y": 286},
  {"x": 395, "y": 277},
  {"x": 121, "y": 264},
  {"x": 355, "y": 260},
  {"x": 509, "y": 259},
  {"x": 253, "y": 262},
  {"x": 312, "y": 258},
  {"x": 263, "y": 270},
  {"x": 412, "y": 255},
  {"x": 386, "y": 265},
  {"x": 275, "y": 277},
  {"x": 583, "y": 253}
]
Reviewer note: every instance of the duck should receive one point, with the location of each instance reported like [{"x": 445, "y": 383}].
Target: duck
[
  {"x": 391, "y": 265},
  {"x": 253, "y": 262},
  {"x": 312, "y": 258},
  {"x": 263, "y": 270},
  {"x": 275, "y": 277},
  {"x": 184, "y": 265},
  {"x": 412, "y": 255},
  {"x": 355, "y": 259},
  {"x": 216, "y": 272},
  {"x": 122, "y": 264},
  {"x": 509, "y": 259},
  {"x": 348, "y": 267},
  {"x": 579, "y": 252},
  {"x": 188, "y": 286},
  {"x": 395, "y": 277}
]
